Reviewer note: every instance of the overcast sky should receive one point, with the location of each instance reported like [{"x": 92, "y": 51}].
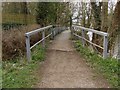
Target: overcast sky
[{"x": 76, "y": 13}]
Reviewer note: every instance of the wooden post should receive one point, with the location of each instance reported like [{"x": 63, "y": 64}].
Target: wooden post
[
  {"x": 105, "y": 46},
  {"x": 43, "y": 37},
  {"x": 83, "y": 35},
  {"x": 28, "y": 48}
]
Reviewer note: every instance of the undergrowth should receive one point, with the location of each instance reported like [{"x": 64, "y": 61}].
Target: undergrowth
[
  {"x": 13, "y": 41},
  {"x": 108, "y": 67},
  {"x": 21, "y": 74}
]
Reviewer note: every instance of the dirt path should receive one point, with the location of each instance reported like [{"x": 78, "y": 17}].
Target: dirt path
[{"x": 64, "y": 68}]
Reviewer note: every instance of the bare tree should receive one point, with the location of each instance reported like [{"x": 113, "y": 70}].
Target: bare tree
[
  {"x": 24, "y": 9},
  {"x": 115, "y": 29},
  {"x": 96, "y": 10},
  {"x": 104, "y": 16},
  {"x": 116, "y": 25}
]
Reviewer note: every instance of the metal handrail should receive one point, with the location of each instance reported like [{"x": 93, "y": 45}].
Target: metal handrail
[
  {"x": 54, "y": 32},
  {"x": 104, "y": 34}
]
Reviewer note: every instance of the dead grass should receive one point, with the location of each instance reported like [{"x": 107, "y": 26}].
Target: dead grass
[{"x": 13, "y": 41}]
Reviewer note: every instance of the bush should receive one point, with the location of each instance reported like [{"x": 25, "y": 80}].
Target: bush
[
  {"x": 18, "y": 73},
  {"x": 13, "y": 41}
]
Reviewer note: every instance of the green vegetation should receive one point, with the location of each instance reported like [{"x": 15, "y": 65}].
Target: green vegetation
[
  {"x": 18, "y": 18},
  {"x": 21, "y": 74},
  {"x": 0, "y": 76},
  {"x": 108, "y": 67},
  {"x": 52, "y": 13}
]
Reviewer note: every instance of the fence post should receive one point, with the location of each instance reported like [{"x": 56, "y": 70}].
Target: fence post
[
  {"x": 28, "y": 48},
  {"x": 43, "y": 37},
  {"x": 105, "y": 45},
  {"x": 83, "y": 35}
]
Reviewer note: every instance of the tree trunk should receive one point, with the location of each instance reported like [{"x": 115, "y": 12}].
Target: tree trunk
[
  {"x": 118, "y": 56},
  {"x": 83, "y": 14},
  {"x": 115, "y": 30},
  {"x": 26, "y": 12},
  {"x": 89, "y": 16},
  {"x": 96, "y": 11},
  {"x": 104, "y": 18}
]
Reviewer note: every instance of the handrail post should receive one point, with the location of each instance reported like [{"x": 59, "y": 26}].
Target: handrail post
[
  {"x": 105, "y": 45},
  {"x": 28, "y": 48},
  {"x": 43, "y": 37},
  {"x": 83, "y": 35}
]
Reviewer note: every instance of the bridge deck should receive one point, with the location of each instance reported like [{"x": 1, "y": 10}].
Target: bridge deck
[{"x": 65, "y": 68}]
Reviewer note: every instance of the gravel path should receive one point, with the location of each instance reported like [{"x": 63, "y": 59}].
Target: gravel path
[{"x": 64, "y": 67}]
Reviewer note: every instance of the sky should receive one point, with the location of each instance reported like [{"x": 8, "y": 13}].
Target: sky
[{"x": 76, "y": 13}]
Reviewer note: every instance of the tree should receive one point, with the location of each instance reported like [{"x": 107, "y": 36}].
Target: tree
[
  {"x": 52, "y": 13},
  {"x": 41, "y": 13},
  {"x": 96, "y": 10},
  {"x": 115, "y": 30},
  {"x": 110, "y": 13},
  {"x": 24, "y": 10},
  {"x": 83, "y": 14},
  {"x": 89, "y": 16},
  {"x": 104, "y": 17}
]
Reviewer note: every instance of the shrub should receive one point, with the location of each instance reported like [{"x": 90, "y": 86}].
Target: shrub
[{"x": 13, "y": 41}]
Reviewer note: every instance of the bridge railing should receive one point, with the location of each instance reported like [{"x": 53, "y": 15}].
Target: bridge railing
[
  {"x": 83, "y": 29},
  {"x": 54, "y": 30}
]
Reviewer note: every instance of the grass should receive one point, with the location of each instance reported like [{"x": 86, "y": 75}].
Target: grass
[
  {"x": 0, "y": 75},
  {"x": 21, "y": 74},
  {"x": 108, "y": 67}
]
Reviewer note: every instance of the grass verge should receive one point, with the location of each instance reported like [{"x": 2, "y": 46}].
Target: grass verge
[
  {"x": 21, "y": 74},
  {"x": 108, "y": 67}
]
